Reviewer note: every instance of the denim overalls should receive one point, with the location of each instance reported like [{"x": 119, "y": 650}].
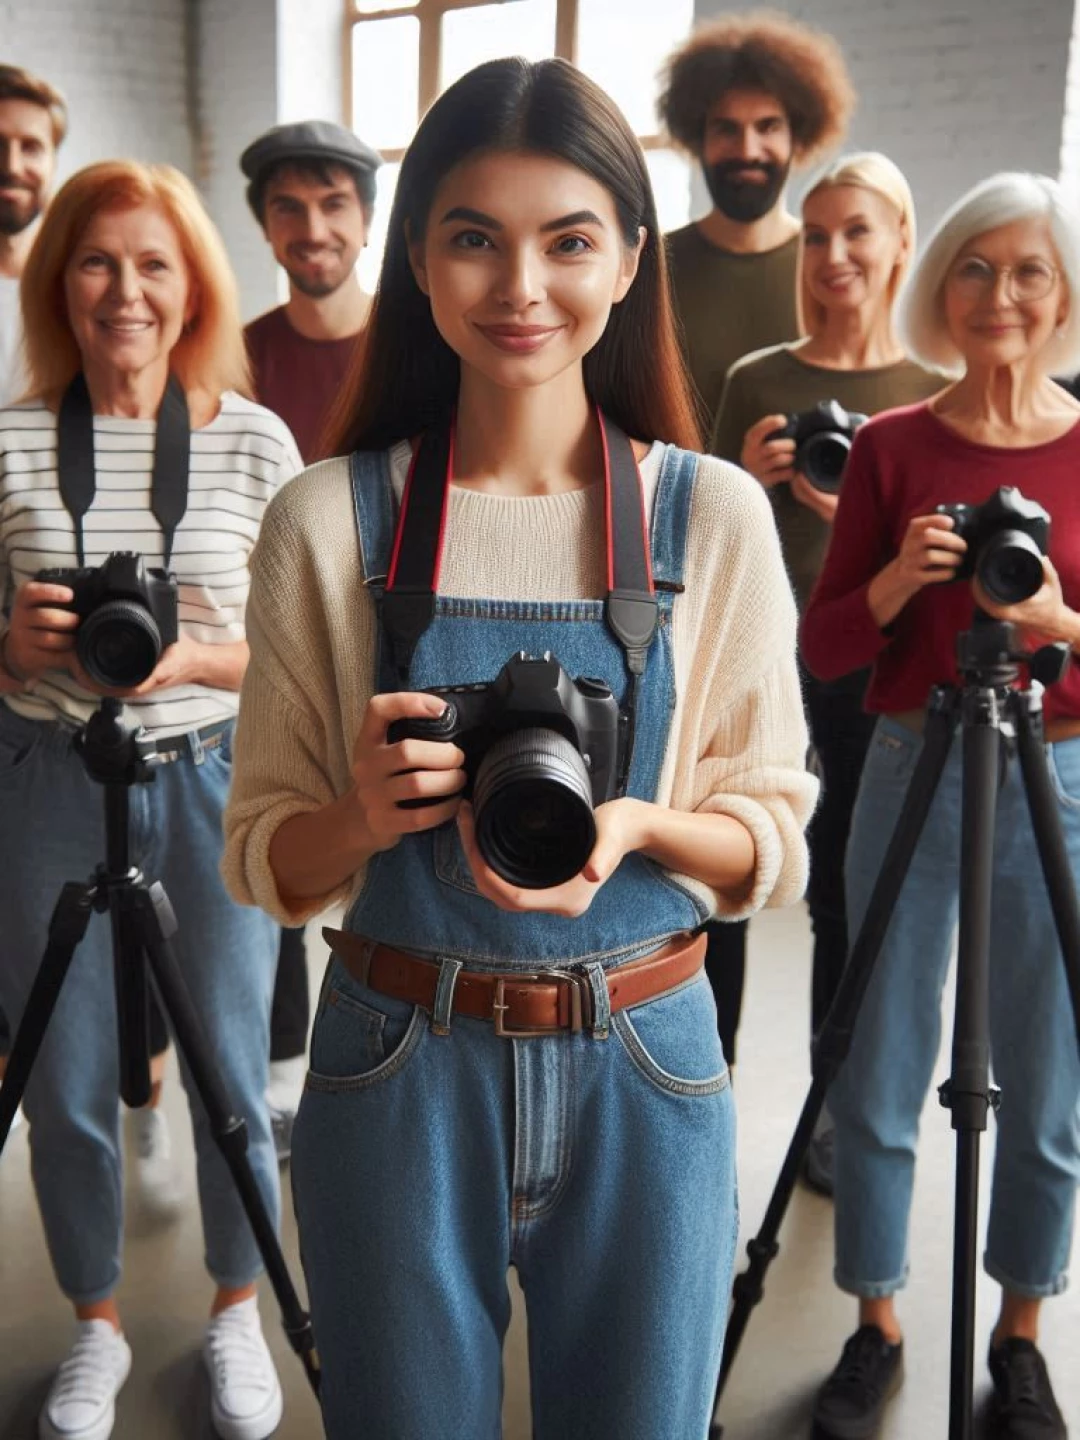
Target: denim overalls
[{"x": 600, "y": 1165}]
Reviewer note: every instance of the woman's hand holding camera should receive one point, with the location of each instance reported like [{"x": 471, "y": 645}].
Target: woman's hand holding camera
[
  {"x": 930, "y": 554},
  {"x": 41, "y": 636},
  {"x": 769, "y": 461},
  {"x": 618, "y": 832},
  {"x": 1044, "y": 617},
  {"x": 820, "y": 502},
  {"x": 384, "y": 775}
]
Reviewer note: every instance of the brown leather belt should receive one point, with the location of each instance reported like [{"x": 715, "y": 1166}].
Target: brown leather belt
[{"x": 521, "y": 1004}]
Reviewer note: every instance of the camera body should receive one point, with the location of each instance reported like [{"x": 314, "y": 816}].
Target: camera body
[
  {"x": 541, "y": 751},
  {"x": 1006, "y": 536},
  {"x": 128, "y": 615},
  {"x": 823, "y": 436}
]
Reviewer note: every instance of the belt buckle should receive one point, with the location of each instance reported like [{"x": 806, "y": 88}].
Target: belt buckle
[{"x": 573, "y": 978}]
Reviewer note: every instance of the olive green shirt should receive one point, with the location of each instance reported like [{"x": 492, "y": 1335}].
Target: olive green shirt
[
  {"x": 727, "y": 305},
  {"x": 777, "y": 382}
]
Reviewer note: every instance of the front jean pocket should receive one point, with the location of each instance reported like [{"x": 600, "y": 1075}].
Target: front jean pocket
[
  {"x": 1063, "y": 763},
  {"x": 674, "y": 1042},
  {"x": 360, "y": 1038},
  {"x": 451, "y": 866},
  {"x": 19, "y": 742}
]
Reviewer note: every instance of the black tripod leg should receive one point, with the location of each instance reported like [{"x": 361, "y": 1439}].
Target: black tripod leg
[
  {"x": 66, "y": 928},
  {"x": 1049, "y": 839},
  {"x": 967, "y": 1093},
  {"x": 154, "y": 923},
  {"x": 132, "y": 1004},
  {"x": 834, "y": 1039}
]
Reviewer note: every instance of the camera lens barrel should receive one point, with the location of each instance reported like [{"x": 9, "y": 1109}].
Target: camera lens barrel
[
  {"x": 822, "y": 458},
  {"x": 1009, "y": 565},
  {"x": 533, "y": 805},
  {"x": 119, "y": 644}
]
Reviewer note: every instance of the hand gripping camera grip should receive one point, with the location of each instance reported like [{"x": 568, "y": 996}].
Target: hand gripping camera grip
[{"x": 441, "y": 727}]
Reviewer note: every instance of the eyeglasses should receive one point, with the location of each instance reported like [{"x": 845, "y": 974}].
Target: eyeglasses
[{"x": 1031, "y": 279}]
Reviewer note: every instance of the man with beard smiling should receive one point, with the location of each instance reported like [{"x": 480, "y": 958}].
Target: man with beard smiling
[
  {"x": 748, "y": 96},
  {"x": 312, "y": 189},
  {"x": 33, "y": 122}
]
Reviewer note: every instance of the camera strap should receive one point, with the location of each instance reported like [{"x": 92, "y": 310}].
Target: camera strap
[
  {"x": 172, "y": 460},
  {"x": 630, "y": 607}
]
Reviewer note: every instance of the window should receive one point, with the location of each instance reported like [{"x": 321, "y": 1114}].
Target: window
[{"x": 402, "y": 55}]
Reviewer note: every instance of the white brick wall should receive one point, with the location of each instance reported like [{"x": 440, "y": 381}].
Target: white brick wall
[
  {"x": 1070, "y": 138},
  {"x": 122, "y": 65},
  {"x": 952, "y": 90}
]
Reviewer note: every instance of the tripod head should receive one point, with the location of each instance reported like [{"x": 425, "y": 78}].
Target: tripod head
[
  {"x": 988, "y": 656},
  {"x": 112, "y": 753}
]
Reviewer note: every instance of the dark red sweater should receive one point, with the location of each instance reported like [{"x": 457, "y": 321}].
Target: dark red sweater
[{"x": 903, "y": 464}]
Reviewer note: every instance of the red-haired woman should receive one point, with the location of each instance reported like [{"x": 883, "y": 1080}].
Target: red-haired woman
[{"x": 128, "y": 301}]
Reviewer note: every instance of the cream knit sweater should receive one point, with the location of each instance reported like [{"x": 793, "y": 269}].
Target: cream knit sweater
[{"x": 738, "y": 739}]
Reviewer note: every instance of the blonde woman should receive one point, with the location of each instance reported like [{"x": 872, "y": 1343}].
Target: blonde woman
[
  {"x": 858, "y": 239},
  {"x": 128, "y": 293}
]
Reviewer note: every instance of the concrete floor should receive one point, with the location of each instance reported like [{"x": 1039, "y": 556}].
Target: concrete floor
[{"x": 792, "y": 1341}]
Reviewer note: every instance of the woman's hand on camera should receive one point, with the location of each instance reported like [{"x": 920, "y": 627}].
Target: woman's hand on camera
[
  {"x": 179, "y": 664},
  {"x": 769, "y": 461},
  {"x": 930, "y": 554},
  {"x": 384, "y": 774},
  {"x": 1044, "y": 617},
  {"x": 618, "y": 832},
  {"x": 820, "y": 502},
  {"x": 40, "y": 635}
]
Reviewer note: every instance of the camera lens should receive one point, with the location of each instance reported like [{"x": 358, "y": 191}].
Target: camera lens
[
  {"x": 119, "y": 644},
  {"x": 822, "y": 458},
  {"x": 533, "y": 804},
  {"x": 1010, "y": 567}
]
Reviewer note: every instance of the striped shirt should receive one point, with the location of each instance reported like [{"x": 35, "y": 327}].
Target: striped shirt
[{"x": 238, "y": 462}]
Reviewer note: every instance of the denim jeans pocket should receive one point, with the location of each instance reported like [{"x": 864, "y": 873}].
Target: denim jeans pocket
[
  {"x": 893, "y": 753},
  {"x": 1063, "y": 763},
  {"x": 673, "y": 1041},
  {"x": 360, "y": 1038},
  {"x": 451, "y": 866},
  {"x": 19, "y": 742}
]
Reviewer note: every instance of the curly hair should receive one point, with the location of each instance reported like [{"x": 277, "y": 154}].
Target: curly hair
[{"x": 802, "y": 68}]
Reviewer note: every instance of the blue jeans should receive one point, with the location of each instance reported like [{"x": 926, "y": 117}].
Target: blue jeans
[
  {"x": 52, "y": 830},
  {"x": 878, "y": 1095},
  {"x": 601, "y": 1169}
]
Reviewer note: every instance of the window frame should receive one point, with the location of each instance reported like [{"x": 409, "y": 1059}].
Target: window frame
[{"x": 429, "y": 13}]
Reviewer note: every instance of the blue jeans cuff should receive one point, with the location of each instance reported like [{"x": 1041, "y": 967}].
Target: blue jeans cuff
[
  {"x": 1057, "y": 1286},
  {"x": 869, "y": 1289}
]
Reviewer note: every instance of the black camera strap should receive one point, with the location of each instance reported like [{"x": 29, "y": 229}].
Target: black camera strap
[
  {"x": 630, "y": 608},
  {"x": 172, "y": 460}
]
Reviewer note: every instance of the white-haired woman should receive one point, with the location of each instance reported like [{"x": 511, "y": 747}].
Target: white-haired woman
[
  {"x": 858, "y": 239},
  {"x": 992, "y": 302}
]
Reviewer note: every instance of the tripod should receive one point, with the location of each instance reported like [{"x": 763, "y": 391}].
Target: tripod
[
  {"x": 992, "y": 714},
  {"x": 142, "y": 924}
]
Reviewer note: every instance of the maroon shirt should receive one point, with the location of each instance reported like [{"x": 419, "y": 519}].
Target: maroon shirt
[
  {"x": 902, "y": 464},
  {"x": 297, "y": 378}
]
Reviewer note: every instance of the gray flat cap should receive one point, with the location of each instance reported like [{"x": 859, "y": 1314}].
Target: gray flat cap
[{"x": 307, "y": 140}]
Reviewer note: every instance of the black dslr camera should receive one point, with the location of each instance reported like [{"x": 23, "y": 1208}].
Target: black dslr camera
[
  {"x": 1006, "y": 536},
  {"x": 127, "y": 614},
  {"x": 541, "y": 750},
  {"x": 822, "y": 436}
]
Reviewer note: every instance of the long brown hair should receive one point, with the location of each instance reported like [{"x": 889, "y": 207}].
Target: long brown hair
[
  {"x": 405, "y": 377},
  {"x": 210, "y": 356}
]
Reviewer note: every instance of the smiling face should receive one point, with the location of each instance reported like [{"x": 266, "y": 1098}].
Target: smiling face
[
  {"x": 853, "y": 244},
  {"x": 316, "y": 228},
  {"x": 522, "y": 260},
  {"x": 1005, "y": 295},
  {"x": 27, "y": 163},
  {"x": 746, "y": 153},
  {"x": 128, "y": 291}
]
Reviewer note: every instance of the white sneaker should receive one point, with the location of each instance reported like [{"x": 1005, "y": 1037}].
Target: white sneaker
[
  {"x": 157, "y": 1179},
  {"x": 246, "y": 1401},
  {"x": 80, "y": 1403}
]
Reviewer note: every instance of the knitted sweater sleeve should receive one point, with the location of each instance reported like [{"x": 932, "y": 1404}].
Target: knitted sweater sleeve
[
  {"x": 292, "y": 749},
  {"x": 740, "y": 742}
]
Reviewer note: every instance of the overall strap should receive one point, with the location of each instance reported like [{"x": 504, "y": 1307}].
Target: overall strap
[
  {"x": 374, "y": 510},
  {"x": 671, "y": 517}
]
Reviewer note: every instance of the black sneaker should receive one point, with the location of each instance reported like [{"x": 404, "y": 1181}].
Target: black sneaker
[
  {"x": 852, "y": 1401},
  {"x": 1023, "y": 1406}
]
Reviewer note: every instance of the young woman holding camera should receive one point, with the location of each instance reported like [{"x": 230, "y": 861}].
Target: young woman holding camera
[
  {"x": 993, "y": 299},
  {"x": 523, "y": 297},
  {"x": 858, "y": 240},
  {"x": 129, "y": 305}
]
